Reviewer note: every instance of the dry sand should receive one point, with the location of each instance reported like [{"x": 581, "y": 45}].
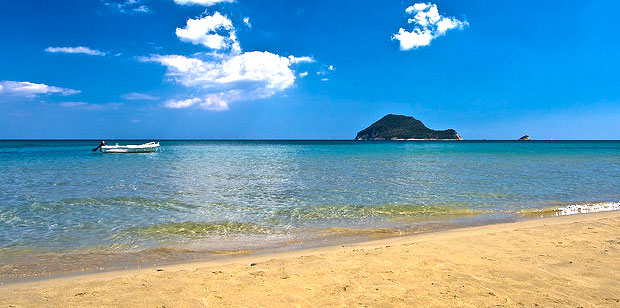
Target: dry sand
[{"x": 571, "y": 261}]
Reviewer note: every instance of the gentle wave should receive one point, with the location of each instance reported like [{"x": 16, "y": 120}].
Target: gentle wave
[
  {"x": 574, "y": 209},
  {"x": 192, "y": 229},
  {"x": 320, "y": 212}
]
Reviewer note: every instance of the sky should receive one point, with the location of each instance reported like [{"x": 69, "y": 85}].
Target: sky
[{"x": 285, "y": 69}]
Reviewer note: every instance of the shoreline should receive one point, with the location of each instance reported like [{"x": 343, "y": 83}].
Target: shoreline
[
  {"x": 102, "y": 262},
  {"x": 337, "y": 257},
  {"x": 99, "y": 261},
  {"x": 51, "y": 266}
]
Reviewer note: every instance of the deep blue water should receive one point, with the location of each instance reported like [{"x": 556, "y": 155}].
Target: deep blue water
[{"x": 57, "y": 196}]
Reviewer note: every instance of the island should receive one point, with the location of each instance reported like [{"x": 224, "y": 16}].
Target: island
[
  {"x": 400, "y": 127},
  {"x": 524, "y": 138}
]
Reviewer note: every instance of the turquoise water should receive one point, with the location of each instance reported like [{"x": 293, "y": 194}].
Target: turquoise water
[{"x": 58, "y": 198}]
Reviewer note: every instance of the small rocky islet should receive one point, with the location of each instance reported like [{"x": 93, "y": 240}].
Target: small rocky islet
[{"x": 400, "y": 127}]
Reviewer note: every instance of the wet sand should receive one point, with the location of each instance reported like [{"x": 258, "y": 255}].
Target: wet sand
[{"x": 561, "y": 261}]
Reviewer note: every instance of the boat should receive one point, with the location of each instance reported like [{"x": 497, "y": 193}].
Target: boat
[{"x": 149, "y": 147}]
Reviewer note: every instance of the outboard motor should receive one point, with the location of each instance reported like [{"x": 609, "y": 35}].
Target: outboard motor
[{"x": 99, "y": 147}]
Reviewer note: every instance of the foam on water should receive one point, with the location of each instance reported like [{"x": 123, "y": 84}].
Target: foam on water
[
  {"x": 587, "y": 208},
  {"x": 574, "y": 209}
]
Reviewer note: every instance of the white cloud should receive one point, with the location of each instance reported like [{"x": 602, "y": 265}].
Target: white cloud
[
  {"x": 246, "y": 21},
  {"x": 73, "y": 104},
  {"x": 417, "y": 7},
  {"x": 79, "y": 49},
  {"x": 180, "y": 64},
  {"x": 214, "y": 102},
  {"x": 414, "y": 39},
  {"x": 89, "y": 106},
  {"x": 202, "y": 2},
  {"x": 142, "y": 9},
  {"x": 30, "y": 89},
  {"x": 325, "y": 69},
  {"x": 262, "y": 69},
  {"x": 134, "y": 96},
  {"x": 428, "y": 25},
  {"x": 246, "y": 76},
  {"x": 304, "y": 59},
  {"x": 303, "y": 74},
  {"x": 324, "y": 79},
  {"x": 208, "y": 30},
  {"x": 226, "y": 74},
  {"x": 171, "y": 103},
  {"x": 218, "y": 101},
  {"x": 127, "y": 6}
]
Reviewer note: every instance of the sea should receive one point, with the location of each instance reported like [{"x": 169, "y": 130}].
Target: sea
[{"x": 65, "y": 209}]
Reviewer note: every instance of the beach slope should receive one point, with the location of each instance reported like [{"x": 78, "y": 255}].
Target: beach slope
[{"x": 562, "y": 261}]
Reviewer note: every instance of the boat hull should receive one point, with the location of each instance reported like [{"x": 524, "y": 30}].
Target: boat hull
[{"x": 121, "y": 149}]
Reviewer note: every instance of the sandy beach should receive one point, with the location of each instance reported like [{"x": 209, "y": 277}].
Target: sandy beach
[{"x": 569, "y": 261}]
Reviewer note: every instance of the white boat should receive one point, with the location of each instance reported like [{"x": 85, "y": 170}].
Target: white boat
[{"x": 131, "y": 148}]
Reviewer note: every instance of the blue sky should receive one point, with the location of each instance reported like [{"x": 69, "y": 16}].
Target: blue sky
[{"x": 307, "y": 69}]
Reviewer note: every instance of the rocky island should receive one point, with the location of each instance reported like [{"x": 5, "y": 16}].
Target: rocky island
[
  {"x": 400, "y": 127},
  {"x": 524, "y": 138}
]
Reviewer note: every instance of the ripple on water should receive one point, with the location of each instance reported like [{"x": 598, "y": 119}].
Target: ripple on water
[
  {"x": 192, "y": 229},
  {"x": 398, "y": 211}
]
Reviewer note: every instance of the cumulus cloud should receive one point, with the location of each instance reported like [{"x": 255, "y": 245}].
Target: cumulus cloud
[
  {"x": 30, "y": 89},
  {"x": 246, "y": 76},
  {"x": 428, "y": 25},
  {"x": 134, "y": 96},
  {"x": 227, "y": 74},
  {"x": 246, "y": 21},
  {"x": 79, "y": 49},
  {"x": 127, "y": 6},
  {"x": 202, "y": 2},
  {"x": 215, "y": 31},
  {"x": 256, "y": 68}
]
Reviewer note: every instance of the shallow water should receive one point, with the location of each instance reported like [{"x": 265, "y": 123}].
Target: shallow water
[{"x": 59, "y": 201}]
